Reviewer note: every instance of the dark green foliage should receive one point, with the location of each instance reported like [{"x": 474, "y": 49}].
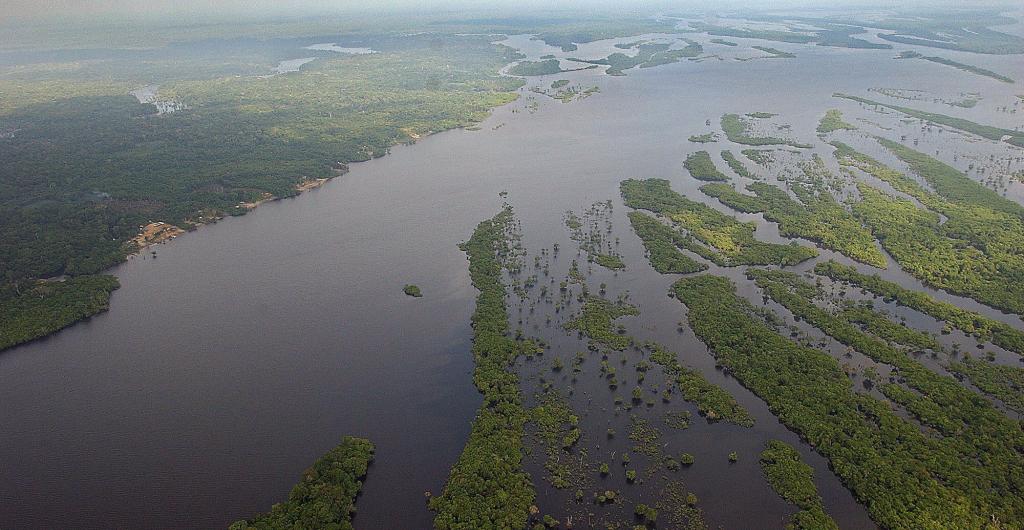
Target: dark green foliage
[
  {"x": 905, "y": 478},
  {"x": 703, "y": 138},
  {"x": 724, "y": 42},
  {"x": 83, "y": 173},
  {"x": 780, "y": 36},
  {"x": 960, "y": 66},
  {"x": 412, "y": 290},
  {"x": 737, "y": 166},
  {"x": 530, "y": 68},
  {"x": 794, "y": 481},
  {"x": 883, "y": 328},
  {"x": 736, "y": 130},
  {"x": 985, "y": 131},
  {"x": 701, "y": 167},
  {"x": 713, "y": 402},
  {"x": 487, "y": 487},
  {"x": 595, "y": 321},
  {"x": 327, "y": 494},
  {"x": 663, "y": 244},
  {"x": 647, "y": 55},
  {"x": 1001, "y": 334},
  {"x": 43, "y": 308},
  {"x": 1005, "y": 383},
  {"x": 775, "y": 53},
  {"x": 712, "y": 235}
]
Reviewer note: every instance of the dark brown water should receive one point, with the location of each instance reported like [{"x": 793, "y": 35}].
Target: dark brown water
[{"x": 247, "y": 349}]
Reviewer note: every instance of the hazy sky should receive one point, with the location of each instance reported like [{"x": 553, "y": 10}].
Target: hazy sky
[{"x": 10, "y": 9}]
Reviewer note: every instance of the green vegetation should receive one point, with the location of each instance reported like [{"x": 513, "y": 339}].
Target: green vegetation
[
  {"x": 567, "y": 34},
  {"x": 774, "y": 53},
  {"x": 985, "y": 131},
  {"x": 647, "y": 55},
  {"x": 704, "y": 138},
  {"x": 595, "y": 321},
  {"x": 794, "y": 481},
  {"x": 487, "y": 487},
  {"x": 775, "y": 35},
  {"x": 559, "y": 84},
  {"x": 531, "y": 68},
  {"x": 724, "y": 42},
  {"x": 713, "y": 402},
  {"x": 609, "y": 262},
  {"x": 907, "y": 479},
  {"x": 1005, "y": 383},
  {"x": 326, "y": 496},
  {"x": 737, "y": 166},
  {"x": 663, "y": 244},
  {"x": 761, "y": 115},
  {"x": 960, "y": 66},
  {"x": 833, "y": 121},
  {"x": 43, "y": 308},
  {"x": 897, "y": 334},
  {"x": 558, "y": 431},
  {"x": 949, "y": 183},
  {"x": 971, "y": 323},
  {"x": 761, "y": 157},
  {"x": 816, "y": 217},
  {"x": 89, "y": 165},
  {"x": 701, "y": 167},
  {"x": 965, "y": 254},
  {"x": 412, "y": 290},
  {"x": 736, "y": 130},
  {"x": 711, "y": 234}
]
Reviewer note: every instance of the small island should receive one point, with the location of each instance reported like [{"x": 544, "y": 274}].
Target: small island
[{"x": 412, "y": 290}]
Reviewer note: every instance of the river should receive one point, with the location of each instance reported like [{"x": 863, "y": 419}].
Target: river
[{"x": 245, "y": 350}]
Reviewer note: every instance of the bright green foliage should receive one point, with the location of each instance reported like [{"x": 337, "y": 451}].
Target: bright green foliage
[
  {"x": 985, "y": 131},
  {"x": 595, "y": 321},
  {"x": 713, "y": 402},
  {"x": 327, "y": 494},
  {"x": 905, "y": 478},
  {"x": 45, "y": 307},
  {"x": 713, "y": 235},
  {"x": 737, "y": 166},
  {"x": 412, "y": 290},
  {"x": 817, "y": 217},
  {"x": 663, "y": 244},
  {"x": 736, "y": 130},
  {"x": 794, "y": 481},
  {"x": 530, "y": 68},
  {"x": 975, "y": 252},
  {"x": 609, "y": 262},
  {"x": 701, "y": 167},
  {"x": 704, "y": 138},
  {"x": 487, "y": 487},
  {"x": 985, "y": 328},
  {"x": 833, "y": 121}
]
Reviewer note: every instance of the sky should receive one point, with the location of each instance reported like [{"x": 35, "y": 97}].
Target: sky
[{"x": 154, "y": 9}]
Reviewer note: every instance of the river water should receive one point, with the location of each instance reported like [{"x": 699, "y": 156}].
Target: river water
[{"x": 245, "y": 350}]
